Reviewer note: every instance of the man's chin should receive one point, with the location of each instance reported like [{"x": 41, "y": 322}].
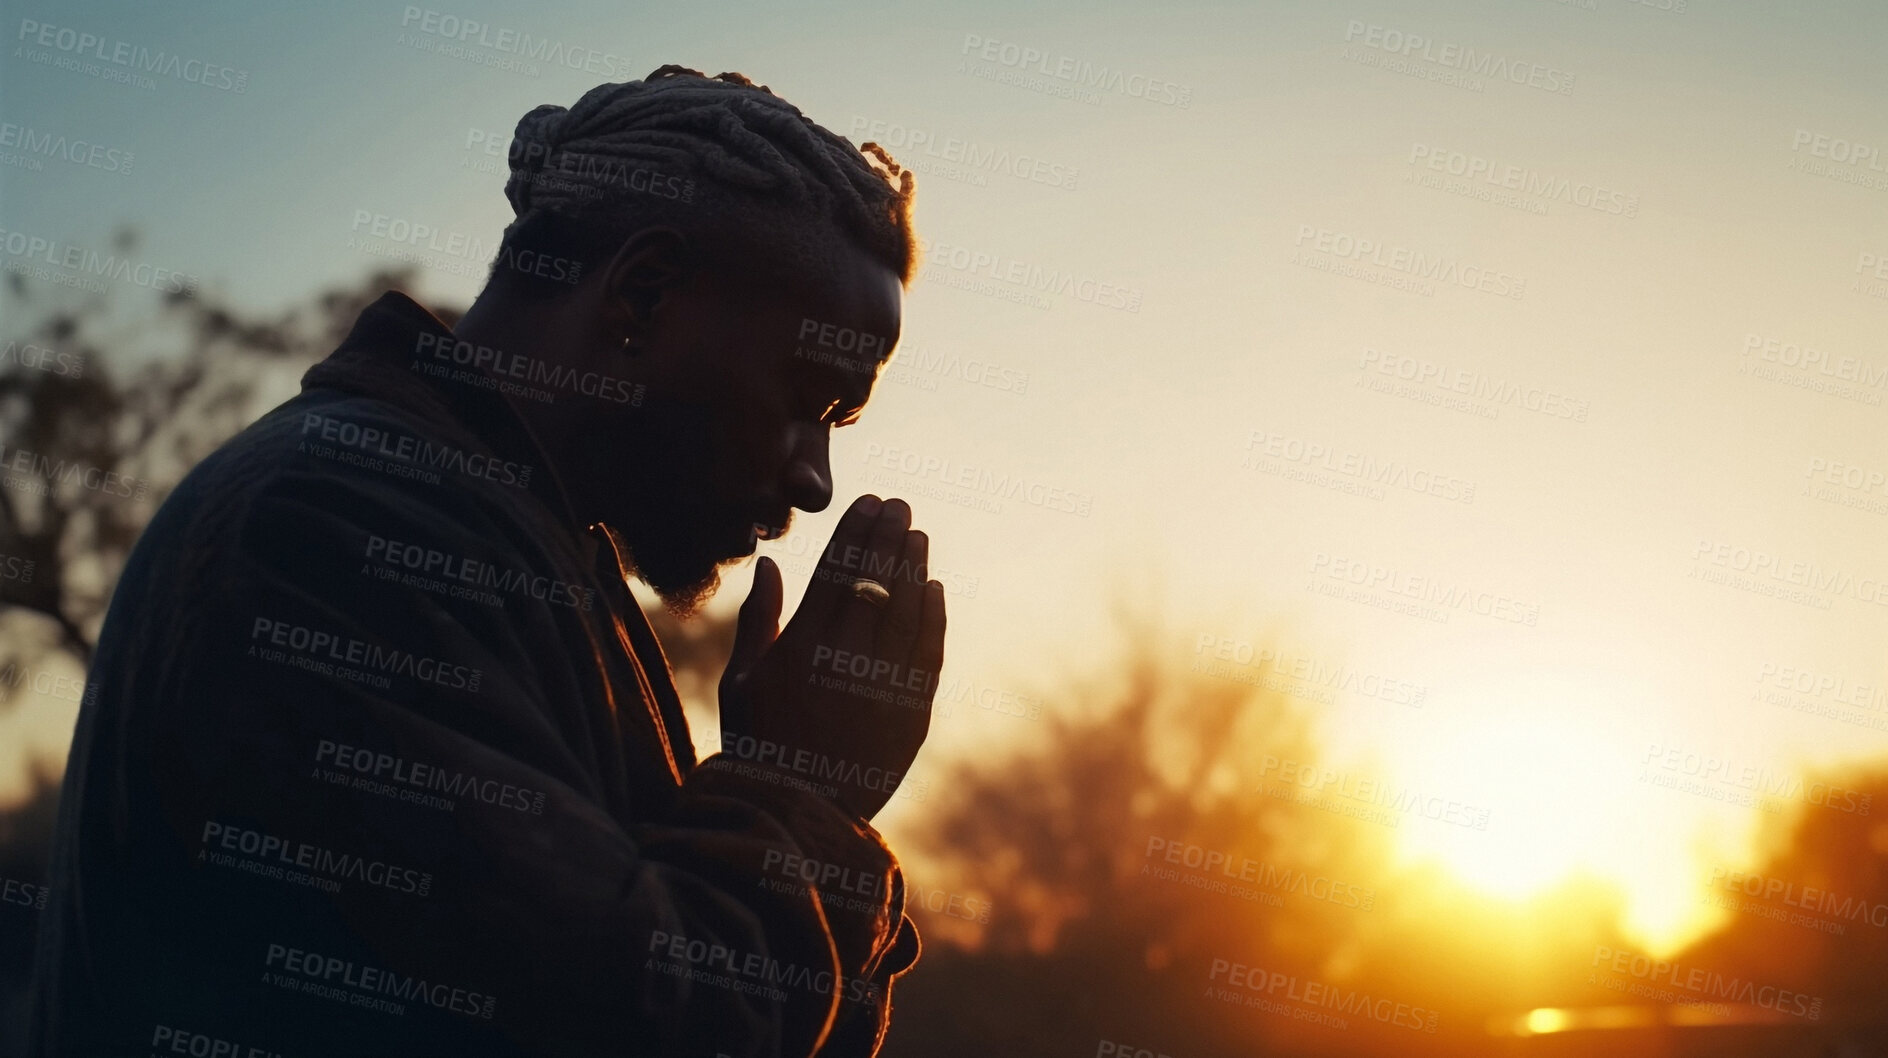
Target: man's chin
[
  {"x": 682, "y": 572},
  {"x": 683, "y": 586},
  {"x": 684, "y": 601}
]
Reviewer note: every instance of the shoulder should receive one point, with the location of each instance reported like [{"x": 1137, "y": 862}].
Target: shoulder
[
  {"x": 350, "y": 505},
  {"x": 333, "y": 459}
]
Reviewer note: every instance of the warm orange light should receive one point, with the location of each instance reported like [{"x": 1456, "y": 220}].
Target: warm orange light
[
  {"x": 1563, "y": 803},
  {"x": 1546, "y": 1019}
]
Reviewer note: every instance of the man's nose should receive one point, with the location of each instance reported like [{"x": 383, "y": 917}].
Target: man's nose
[{"x": 809, "y": 484}]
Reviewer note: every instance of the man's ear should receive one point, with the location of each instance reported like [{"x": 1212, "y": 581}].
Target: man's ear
[{"x": 647, "y": 268}]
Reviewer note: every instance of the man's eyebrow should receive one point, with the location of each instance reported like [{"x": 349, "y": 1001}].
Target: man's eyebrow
[{"x": 849, "y": 382}]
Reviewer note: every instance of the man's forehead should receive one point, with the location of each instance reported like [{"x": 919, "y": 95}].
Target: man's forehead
[
  {"x": 848, "y": 320},
  {"x": 857, "y": 304}
]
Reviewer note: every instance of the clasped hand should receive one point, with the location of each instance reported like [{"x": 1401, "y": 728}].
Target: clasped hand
[{"x": 842, "y": 696}]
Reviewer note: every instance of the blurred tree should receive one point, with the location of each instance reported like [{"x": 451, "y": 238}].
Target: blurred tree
[
  {"x": 91, "y": 388},
  {"x": 1095, "y": 934},
  {"x": 1813, "y": 916},
  {"x": 25, "y": 838}
]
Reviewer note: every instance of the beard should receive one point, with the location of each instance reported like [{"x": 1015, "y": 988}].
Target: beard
[
  {"x": 677, "y": 537},
  {"x": 681, "y": 597}
]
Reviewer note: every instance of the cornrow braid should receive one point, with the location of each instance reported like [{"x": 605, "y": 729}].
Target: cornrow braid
[{"x": 721, "y": 153}]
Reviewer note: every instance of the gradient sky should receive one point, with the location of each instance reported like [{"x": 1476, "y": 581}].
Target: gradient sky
[{"x": 1710, "y": 120}]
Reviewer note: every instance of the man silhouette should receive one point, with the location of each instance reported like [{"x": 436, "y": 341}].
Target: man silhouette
[{"x": 379, "y": 756}]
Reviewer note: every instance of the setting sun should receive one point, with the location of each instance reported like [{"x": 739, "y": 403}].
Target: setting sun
[{"x": 1569, "y": 808}]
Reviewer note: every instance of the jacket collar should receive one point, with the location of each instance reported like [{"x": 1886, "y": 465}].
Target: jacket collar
[{"x": 378, "y": 359}]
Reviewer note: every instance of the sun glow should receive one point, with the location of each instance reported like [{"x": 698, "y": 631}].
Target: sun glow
[{"x": 1563, "y": 804}]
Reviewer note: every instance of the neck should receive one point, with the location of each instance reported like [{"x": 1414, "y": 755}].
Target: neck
[{"x": 518, "y": 329}]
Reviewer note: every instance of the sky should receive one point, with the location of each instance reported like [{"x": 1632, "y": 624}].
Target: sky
[{"x": 1523, "y": 359}]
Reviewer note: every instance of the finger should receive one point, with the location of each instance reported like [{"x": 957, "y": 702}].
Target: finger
[
  {"x": 928, "y": 655},
  {"x": 759, "y": 620},
  {"x": 856, "y": 624},
  {"x": 899, "y": 631},
  {"x": 829, "y": 588}
]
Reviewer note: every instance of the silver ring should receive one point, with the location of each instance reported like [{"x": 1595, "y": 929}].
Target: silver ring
[{"x": 870, "y": 590}]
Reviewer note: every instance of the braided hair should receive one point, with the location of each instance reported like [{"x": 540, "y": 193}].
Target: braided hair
[{"x": 720, "y": 157}]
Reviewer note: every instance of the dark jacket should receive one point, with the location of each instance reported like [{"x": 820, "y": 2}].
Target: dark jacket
[{"x": 379, "y": 757}]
